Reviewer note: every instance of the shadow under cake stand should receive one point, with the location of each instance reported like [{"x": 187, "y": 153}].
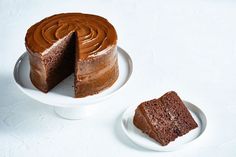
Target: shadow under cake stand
[{"x": 62, "y": 96}]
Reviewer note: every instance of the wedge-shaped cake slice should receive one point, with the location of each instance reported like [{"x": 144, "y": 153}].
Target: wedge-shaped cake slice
[{"x": 164, "y": 119}]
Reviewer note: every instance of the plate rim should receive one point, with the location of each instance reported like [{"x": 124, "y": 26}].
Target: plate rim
[
  {"x": 80, "y": 102},
  {"x": 162, "y": 148}
]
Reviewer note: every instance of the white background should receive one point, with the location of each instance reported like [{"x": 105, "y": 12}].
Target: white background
[{"x": 187, "y": 46}]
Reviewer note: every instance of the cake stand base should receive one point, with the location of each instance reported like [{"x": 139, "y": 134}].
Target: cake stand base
[{"x": 76, "y": 113}]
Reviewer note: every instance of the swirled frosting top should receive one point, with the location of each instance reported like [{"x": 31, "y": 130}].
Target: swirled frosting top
[{"x": 94, "y": 33}]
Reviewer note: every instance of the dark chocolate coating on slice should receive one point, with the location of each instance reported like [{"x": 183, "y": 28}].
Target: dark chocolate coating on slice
[{"x": 164, "y": 119}]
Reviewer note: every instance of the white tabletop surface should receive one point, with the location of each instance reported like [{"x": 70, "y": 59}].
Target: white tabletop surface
[{"x": 187, "y": 46}]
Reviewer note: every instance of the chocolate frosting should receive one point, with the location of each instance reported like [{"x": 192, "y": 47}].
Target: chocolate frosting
[{"x": 94, "y": 33}]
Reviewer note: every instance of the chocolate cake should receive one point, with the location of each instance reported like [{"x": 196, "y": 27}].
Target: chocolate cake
[
  {"x": 73, "y": 42},
  {"x": 164, "y": 119}
]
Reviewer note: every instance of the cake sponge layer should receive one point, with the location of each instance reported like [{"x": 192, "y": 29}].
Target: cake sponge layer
[{"x": 164, "y": 119}]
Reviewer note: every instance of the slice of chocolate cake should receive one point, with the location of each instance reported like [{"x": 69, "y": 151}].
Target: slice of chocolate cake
[{"x": 164, "y": 119}]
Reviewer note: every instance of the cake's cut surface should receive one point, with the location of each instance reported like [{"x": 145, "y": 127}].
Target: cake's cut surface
[
  {"x": 73, "y": 42},
  {"x": 164, "y": 119}
]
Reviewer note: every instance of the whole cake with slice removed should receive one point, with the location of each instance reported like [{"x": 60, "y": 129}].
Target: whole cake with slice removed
[
  {"x": 73, "y": 42},
  {"x": 164, "y": 119}
]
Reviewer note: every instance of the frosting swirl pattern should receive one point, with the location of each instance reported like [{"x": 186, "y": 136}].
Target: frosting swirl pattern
[{"x": 93, "y": 33}]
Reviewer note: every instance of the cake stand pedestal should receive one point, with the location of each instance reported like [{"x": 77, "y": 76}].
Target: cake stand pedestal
[
  {"x": 78, "y": 112},
  {"x": 62, "y": 96}
]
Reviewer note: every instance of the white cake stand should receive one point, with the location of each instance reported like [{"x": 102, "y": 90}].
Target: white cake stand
[{"x": 62, "y": 96}]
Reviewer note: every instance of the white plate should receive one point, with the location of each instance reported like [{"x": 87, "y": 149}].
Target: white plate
[
  {"x": 62, "y": 95},
  {"x": 141, "y": 139}
]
